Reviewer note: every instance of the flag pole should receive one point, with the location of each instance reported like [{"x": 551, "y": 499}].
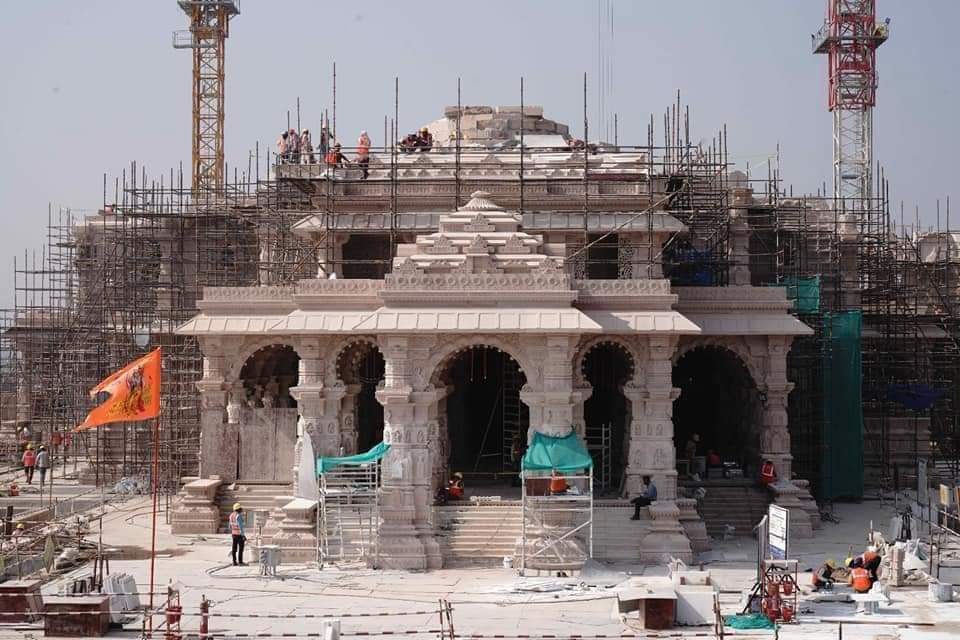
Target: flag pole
[{"x": 153, "y": 526}]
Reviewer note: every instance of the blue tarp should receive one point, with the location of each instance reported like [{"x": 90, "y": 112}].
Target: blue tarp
[
  {"x": 374, "y": 454},
  {"x": 918, "y": 397},
  {"x": 565, "y": 454}
]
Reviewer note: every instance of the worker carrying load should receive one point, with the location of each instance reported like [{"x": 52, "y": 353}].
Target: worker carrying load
[
  {"x": 455, "y": 486},
  {"x": 823, "y": 576}
]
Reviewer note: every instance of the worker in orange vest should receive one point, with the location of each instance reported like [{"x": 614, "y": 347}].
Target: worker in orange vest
[
  {"x": 238, "y": 534},
  {"x": 860, "y": 580},
  {"x": 869, "y": 560},
  {"x": 768, "y": 474},
  {"x": 29, "y": 460},
  {"x": 558, "y": 484},
  {"x": 455, "y": 486}
]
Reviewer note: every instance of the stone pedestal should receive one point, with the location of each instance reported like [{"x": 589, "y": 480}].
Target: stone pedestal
[
  {"x": 808, "y": 502},
  {"x": 786, "y": 495},
  {"x": 693, "y": 526},
  {"x": 297, "y": 537},
  {"x": 275, "y": 519},
  {"x": 196, "y": 510},
  {"x": 666, "y": 538}
]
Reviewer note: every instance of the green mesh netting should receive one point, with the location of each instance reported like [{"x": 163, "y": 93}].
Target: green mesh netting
[
  {"x": 804, "y": 292},
  {"x": 747, "y": 621},
  {"x": 842, "y": 475}
]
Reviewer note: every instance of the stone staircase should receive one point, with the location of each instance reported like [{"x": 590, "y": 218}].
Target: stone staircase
[
  {"x": 478, "y": 533},
  {"x": 254, "y": 496},
  {"x": 483, "y": 533},
  {"x": 741, "y": 505}
]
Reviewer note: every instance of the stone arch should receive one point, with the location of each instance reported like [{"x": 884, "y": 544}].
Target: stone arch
[
  {"x": 443, "y": 355},
  {"x": 620, "y": 342},
  {"x": 721, "y": 399},
  {"x": 267, "y": 375},
  {"x": 246, "y": 349},
  {"x": 359, "y": 368},
  {"x": 735, "y": 345}
]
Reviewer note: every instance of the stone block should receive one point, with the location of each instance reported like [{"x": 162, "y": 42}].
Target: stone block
[
  {"x": 297, "y": 537},
  {"x": 21, "y": 601},
  {"x": 77, "y": 617},
  {"x": 196, "y": 511}
]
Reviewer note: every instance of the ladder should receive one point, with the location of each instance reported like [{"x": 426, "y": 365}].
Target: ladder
[
  {"x": 599, "y": 444},
  {"x": 512, "y": 418}
]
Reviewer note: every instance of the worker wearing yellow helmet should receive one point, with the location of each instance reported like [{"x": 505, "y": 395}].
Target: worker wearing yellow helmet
[
  {"x": 823, "y": 576},
  {"x": 238, "y": 534}
]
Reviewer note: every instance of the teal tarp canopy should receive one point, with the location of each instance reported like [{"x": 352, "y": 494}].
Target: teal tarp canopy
[
  {"x": 563, "y": 454},
  {"x": 326, "y": 464}
]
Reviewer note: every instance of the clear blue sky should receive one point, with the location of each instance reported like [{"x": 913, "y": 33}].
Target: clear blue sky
[{"x": 89, "y": 86}]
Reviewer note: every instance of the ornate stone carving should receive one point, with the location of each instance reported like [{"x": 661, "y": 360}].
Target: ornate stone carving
[
  {"x": 442, "y": 245},
  {"x": 478, "y": 245}
]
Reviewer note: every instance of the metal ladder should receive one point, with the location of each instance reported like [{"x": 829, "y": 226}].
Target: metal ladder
[{"x": 599, "y": 441}]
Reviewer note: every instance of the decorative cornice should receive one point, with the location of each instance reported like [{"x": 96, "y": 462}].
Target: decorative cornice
[
  {"x": 502, "y": 282},
  {"x": 732, "y": 299}
]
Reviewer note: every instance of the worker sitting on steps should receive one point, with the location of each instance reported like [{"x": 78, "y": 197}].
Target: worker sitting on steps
[
  {"x": 648, "y": 495},
  {"x": 768, "y": 473},
  {"x": 238, "y": 535},
  {"x": 823, "y": 577},
  {"x": 455, "y": 486}
]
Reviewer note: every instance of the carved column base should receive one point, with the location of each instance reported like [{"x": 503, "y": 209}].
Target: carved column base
[
  {"x": 275, "y": 519},
  {"x": 808, "y": 502},
  {"x": 400, "y": 544},
  {"x": 666, "y": 538},
  {"x": 297, "y": 537},
  {"x": 693, "y": 526},
  {"x": 196, "y": 511},
  {"x": 787, "y": 496}
]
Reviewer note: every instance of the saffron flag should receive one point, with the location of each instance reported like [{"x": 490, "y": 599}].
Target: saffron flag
[{"x": 134, "y": 394}]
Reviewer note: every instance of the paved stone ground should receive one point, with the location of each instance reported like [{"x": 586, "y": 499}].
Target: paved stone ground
[{"x": 485, "y": 601}]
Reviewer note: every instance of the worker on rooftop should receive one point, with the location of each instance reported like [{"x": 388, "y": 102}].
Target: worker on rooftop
[
  {"x": 238, "y": 534},
  {"x": 323, "y": 145},
  {"x": 363, "y": 153},
  {"x": 293, "y": 144},
  {"x": 283, "y": 147},
  {"x": 425, "y": 140},
  {"x": 306, "y": 148}
]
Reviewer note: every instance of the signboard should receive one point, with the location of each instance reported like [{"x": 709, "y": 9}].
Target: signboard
[{"x": 778, "y": 522}]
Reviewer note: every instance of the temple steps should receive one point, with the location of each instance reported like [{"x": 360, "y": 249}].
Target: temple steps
[
  {"x": 741, "y": 506},
  {"x": 254, "y": 496}
]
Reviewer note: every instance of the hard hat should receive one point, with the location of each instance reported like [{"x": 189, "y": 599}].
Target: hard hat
[
  {"x": 871, "y": 549},
  {"x": 29, "y": 446},
  {"x": 423, "y": 130},
  {"x": 19, "y": 525},
  {"x": 458, "y": 475},
  {"x": 43, "y": 448},
  {"x": 848, "y": 562},
  {"x": 832, "y": 563},
  {"x": 236, "y": 506}
]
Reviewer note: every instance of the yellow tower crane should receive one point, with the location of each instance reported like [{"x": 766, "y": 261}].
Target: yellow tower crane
[{"x": 209, "y": 28}]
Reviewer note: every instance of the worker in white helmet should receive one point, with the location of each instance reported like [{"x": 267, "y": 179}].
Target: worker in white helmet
[{"x": 238, "y": 534}]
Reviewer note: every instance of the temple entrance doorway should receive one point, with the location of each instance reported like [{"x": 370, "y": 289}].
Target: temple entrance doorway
[
  {"x": 719, "y": 402},
  {"x": 361, "y": 367},
  {"x": 486, "y": 421},
  {"x": 607, "y": 412},
  {"x": 268, "y": 423}
]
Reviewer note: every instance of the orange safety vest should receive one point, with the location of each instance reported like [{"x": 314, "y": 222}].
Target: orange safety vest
[
  {"x": 235, "y": 523},
  {"x": 331, "y": 157},
  {"x": 557, "y": 484},
  {"x": 767, "y": 473},
  {"x": 363, "y": 148},
  {"x": 29, "y": 458},
  {"x": 860, "y": 580}
]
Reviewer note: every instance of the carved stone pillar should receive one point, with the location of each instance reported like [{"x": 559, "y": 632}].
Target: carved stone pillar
[
  {"x": 551, "y": 406},
  {"x": 406, "y": 466},
  {"x": 348, "y": 419},
  {"x": 318, "y": 406},
  {"x": 739, "y": 245},
  {"x": 218, "y": 438},
  {"x": 651, "y": 451},
  {"x": 775, "y": 438}
]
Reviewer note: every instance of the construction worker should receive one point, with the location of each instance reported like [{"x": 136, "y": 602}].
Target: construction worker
[
  {"x": 363, "y": 153},
  {"x": 29, "y": 460},
  {"x": 455, "y": 486},
  {"x": 768, "y": 473},
  {"x": 690, "y": 453},
  {"x": 335, "y": 157},
  {"x": 648, "y": 495},
  {"x": 869, "y": 560},
  {"x": 860, "y": 580},
  {"x": 306, "y": 147},
  {"x": 293, "y": 146},
  {"x": 238, "y": 535},
  {"x": 43, "y": 463},
  {"x": 283, "y": 147},
  {"x": 425, "y": 140},
  {"x": 823, "y": 577},
  {"x": 558, "y": 484}
]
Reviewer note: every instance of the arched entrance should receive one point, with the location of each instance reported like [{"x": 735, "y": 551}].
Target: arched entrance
[
  {"x": 361, "y": 367},
  {"x": 267, "y": 432},
  {"x": 486, "y": 421},
  {"x": 607, "y": 412},
  {"x": 719, "y": 402}
]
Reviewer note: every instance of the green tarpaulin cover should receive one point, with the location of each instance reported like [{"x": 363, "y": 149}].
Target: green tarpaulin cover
[
  {"x": 326, "y": 464},
  {"x": 804, "y": 292},
  {"x": 843, "y": 406},
  {"x": 563, "y": 454},
  {"x": 748, "y": 621}
]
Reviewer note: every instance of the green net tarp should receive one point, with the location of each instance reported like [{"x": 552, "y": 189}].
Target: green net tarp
[
  {"x": 747, "y": 621},
  {"x": 842, "y": 473},
  {"x": 565, "y": 454},
  {"x": 804, "y": 292},
  {"x": 326, "y": 464}
]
